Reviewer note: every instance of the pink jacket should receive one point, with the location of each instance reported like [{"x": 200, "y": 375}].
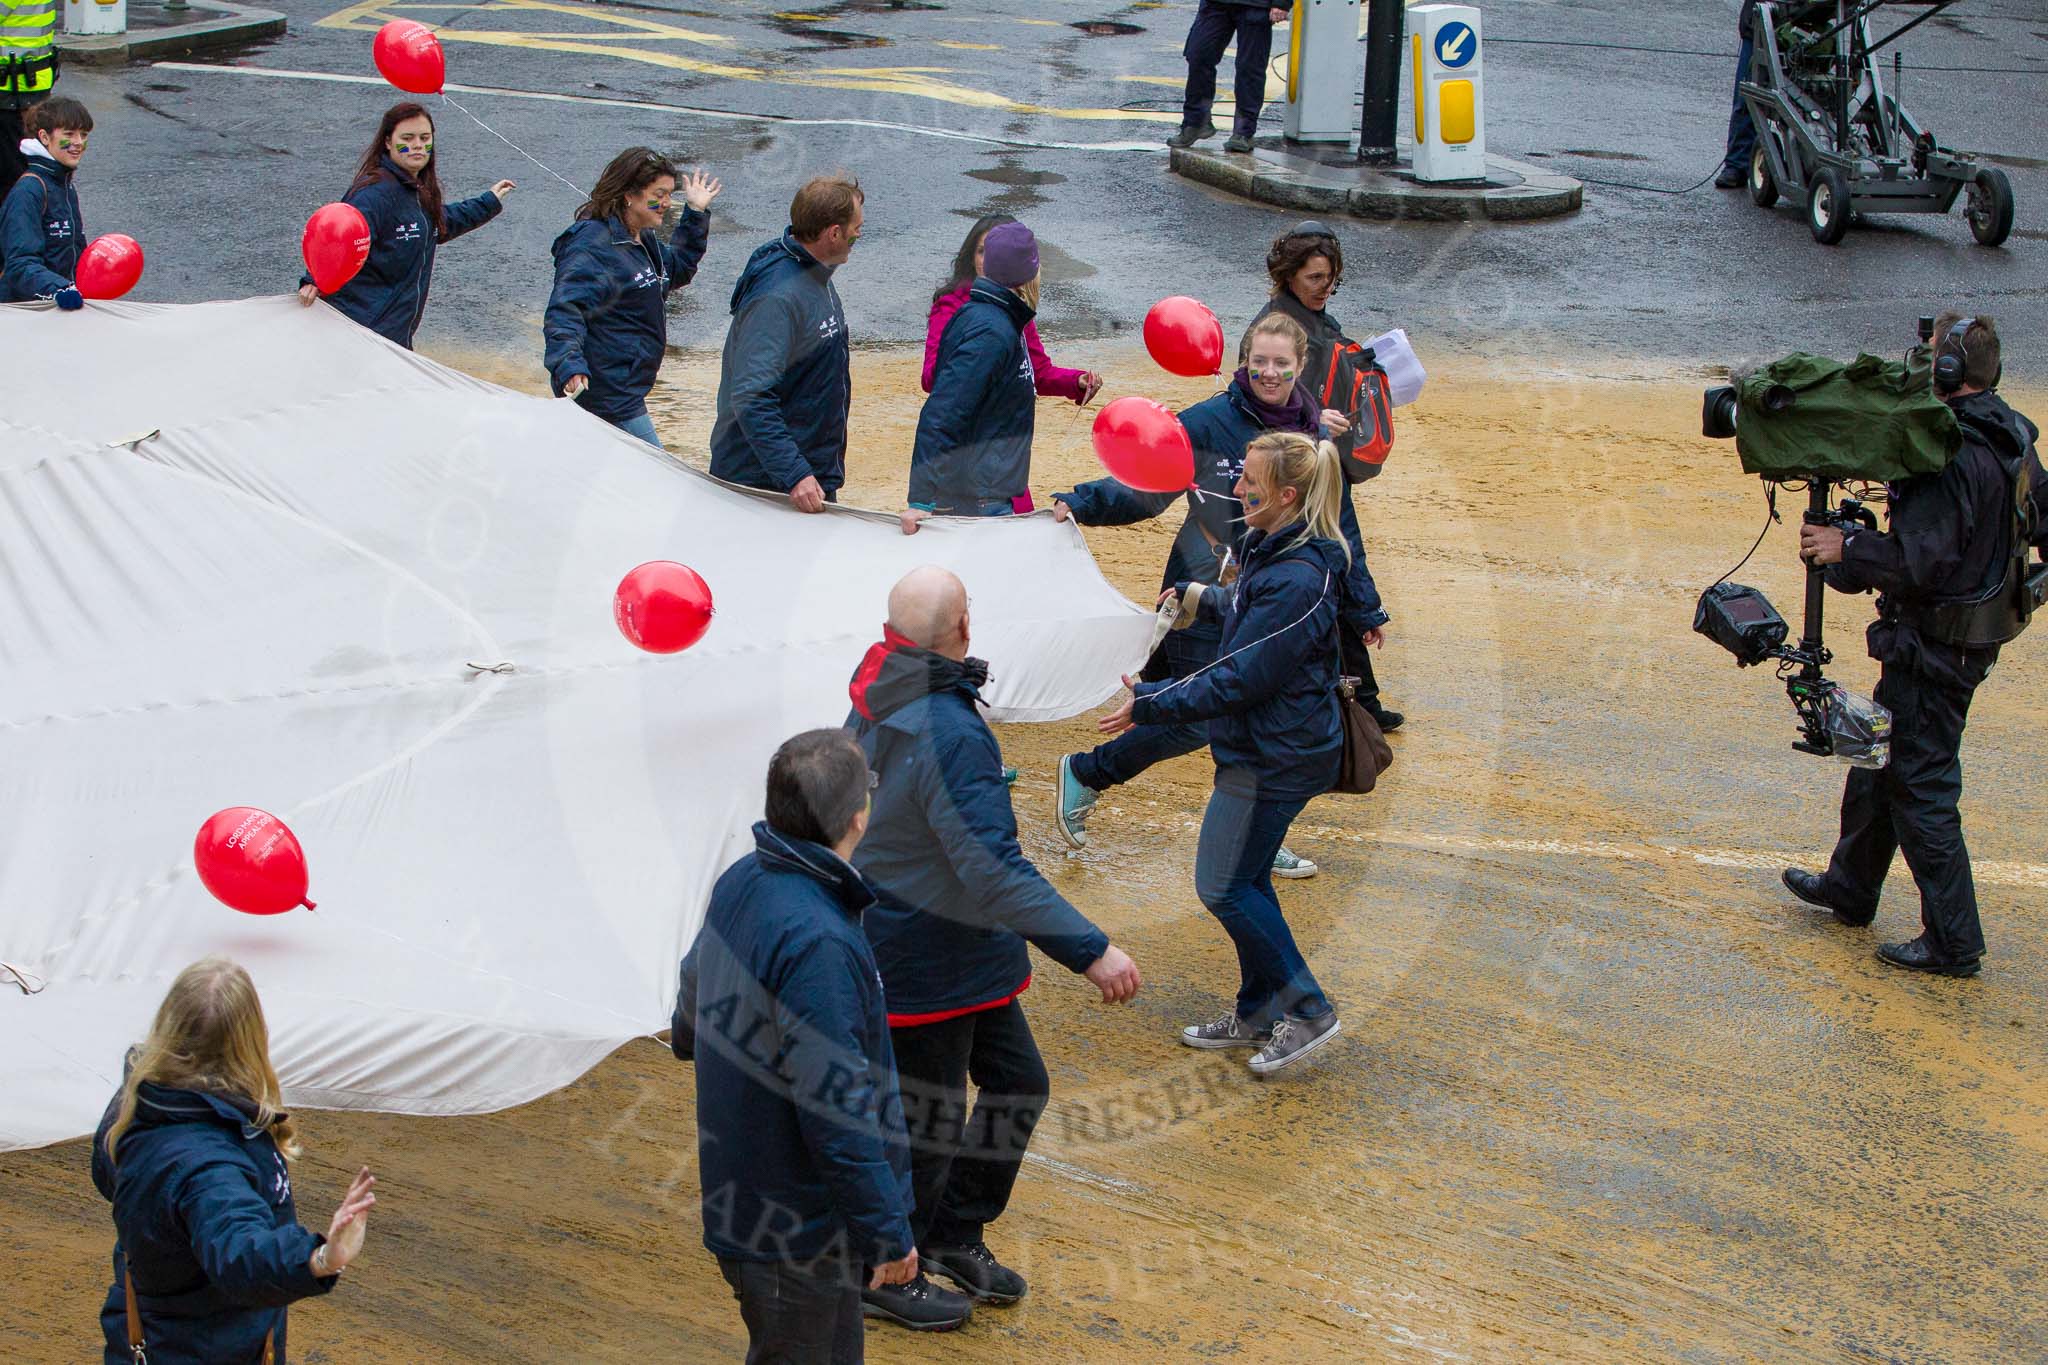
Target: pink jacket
[{"x": 1053, "y": 381}]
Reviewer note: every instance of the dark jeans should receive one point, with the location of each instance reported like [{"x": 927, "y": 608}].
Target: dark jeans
[
  {"x": 1234, "y": 878},
  {"x": 963, "y": 1168},
  {"x": 1138, "y": 748},
  {"x": 794, "y": 1317},
  {"x": 1910, "y": 804},
  {"x": 1741, "y": 128},
  {"x": 1215, "y": 25}
]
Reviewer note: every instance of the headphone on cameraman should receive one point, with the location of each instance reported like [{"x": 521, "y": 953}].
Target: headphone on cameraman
[{"x": 1952, "y": 361}]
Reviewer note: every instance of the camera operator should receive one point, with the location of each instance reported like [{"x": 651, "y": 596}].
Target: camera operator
[{"x": 1950, "y": 543}]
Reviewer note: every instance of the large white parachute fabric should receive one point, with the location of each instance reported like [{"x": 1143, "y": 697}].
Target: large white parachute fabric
[{"x": 251, "y": 554}]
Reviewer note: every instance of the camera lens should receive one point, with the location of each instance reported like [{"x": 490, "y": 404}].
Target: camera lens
[{"x": 1717, "y": 414}]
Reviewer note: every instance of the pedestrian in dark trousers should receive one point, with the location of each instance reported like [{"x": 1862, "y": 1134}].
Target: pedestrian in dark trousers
[
  {"x": 1741, "y": 128},
  {"x": 1954, "y": 540},
  {"x": 1265, "y": 395},
  {"x": 42, "y": 226},
  {"x": 802, "y": 1157},
  {"x": 193, "y": 1154},
  {"x": 972, "y": 457},
  {"x": 606, "y": 324},
  {"x": 785, "y": 382},
  {"x": 1217, "y": 23},
  {"x": 28, "y": 69},
  {"x": 398, "y": 191},
  {"x": 957, "y": 901},
  {"x": 1270, "y": 699}
]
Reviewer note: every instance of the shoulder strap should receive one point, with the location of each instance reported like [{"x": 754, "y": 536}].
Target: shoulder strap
[{"x": 135, "y": 1346}]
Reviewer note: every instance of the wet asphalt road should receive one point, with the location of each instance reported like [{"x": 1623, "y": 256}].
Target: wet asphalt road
[{"x": 215, "y": 171}]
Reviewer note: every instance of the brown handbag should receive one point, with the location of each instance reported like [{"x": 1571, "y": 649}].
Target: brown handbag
[
  {"x": 1366, "y": 751},
  {"x": 138, "y": 1351}
]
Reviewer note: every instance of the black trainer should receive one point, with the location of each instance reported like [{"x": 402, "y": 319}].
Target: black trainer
[
  {"x": 975, "y": 1269},
  {"x": 1730, "y": 178},
  {"x": 1810, "y": 887},
  {"x": 1189, "y": 135},
  {"x": 1389, "y": 721},
  {"x": 920, "y": 1305},
  {"x": 1920, "y": 955}
]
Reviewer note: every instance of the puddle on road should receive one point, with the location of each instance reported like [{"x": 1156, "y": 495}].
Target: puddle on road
[
  {"x": 1105, "y": 28},
  {"x": 1597, "y": 154},
  {"x": 1016, "y": 175},
  {"x": 805, "y": 26}
]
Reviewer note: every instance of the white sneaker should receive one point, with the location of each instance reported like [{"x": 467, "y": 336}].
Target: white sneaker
[{"x": 1293, "y": 866}]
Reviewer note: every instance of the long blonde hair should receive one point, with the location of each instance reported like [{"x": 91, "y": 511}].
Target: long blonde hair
[
  {"x": 1312, "y": 470},
  {"x": 209, "y": 1035}
]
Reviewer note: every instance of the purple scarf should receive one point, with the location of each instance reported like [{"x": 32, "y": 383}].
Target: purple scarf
[{"x": 1298, "y": 413}]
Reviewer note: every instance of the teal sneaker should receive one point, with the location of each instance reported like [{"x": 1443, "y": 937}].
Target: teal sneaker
[
  {"x": 1075, "y": 799},
  {"x": 1293, "y": 866}
]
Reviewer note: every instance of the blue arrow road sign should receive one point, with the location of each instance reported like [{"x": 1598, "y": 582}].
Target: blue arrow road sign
[{"x": 1456, "y": 44}]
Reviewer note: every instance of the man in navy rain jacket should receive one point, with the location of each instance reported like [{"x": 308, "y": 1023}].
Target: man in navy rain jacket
[
  {"x": 801, "y": 1149},
  {"x": 973, "y": 451},
  {"x": 42, "y": 228},
  {"x": 785, "y": 381},
  {"x": 957, "y": 901}
]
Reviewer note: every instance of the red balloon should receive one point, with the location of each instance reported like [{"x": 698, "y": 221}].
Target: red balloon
[
  {"x": 1184, "y": 337},
  {"x": 663, "y": 607},
  {"x": 251, "y": 862},
  {"x": 109, "y": 267},
  {"x": 1144, "y": 445},
  {"x": 335, "y": 244},
  {"x": 409, "y": 56}
]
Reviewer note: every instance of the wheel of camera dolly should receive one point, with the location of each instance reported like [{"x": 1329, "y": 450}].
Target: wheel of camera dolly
[
  {"x": 1827, "y": 205},
  {"x": 1763, "y": 184},
  {"x": 1990, "y": 207}
]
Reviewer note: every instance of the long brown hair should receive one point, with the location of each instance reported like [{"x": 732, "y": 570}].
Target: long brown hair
[
  {"x": 209, "y": 1035},
  {"x": 963, "y": 260},
  {"x": 428, "y": 177},
  {"x": 1312, "y": 469},
  {"x": 630, "y": 172}
]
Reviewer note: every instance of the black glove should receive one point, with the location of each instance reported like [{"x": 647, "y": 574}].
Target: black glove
[{"x": 69, "y": 299}]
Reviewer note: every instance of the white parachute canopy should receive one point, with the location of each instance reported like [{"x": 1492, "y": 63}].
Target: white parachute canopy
[{"x": 251, "y": 554}]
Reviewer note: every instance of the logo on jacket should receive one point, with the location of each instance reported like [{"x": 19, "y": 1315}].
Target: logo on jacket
[
  {"x": 829, "y": 328},
  {"x": 280, "y": 1181},
  {"x": 407, "y": 232},
  {"x": 646, "y": 277},
  {"x": 58, "y": 228}
]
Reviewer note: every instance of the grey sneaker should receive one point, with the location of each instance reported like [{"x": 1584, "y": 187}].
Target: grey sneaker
[
  {"x": 1229, "y": 1031},
  {"x": 1293, "y": 1039},
  {"x": 1293, "y": 866},
  {"x": 1075, "y": 799}
]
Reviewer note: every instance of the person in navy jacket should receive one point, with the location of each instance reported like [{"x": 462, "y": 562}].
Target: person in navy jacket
[
  {"x": 1270, "y": 700},
  {"x": 957, "y": 901},
  {"x": 1265, "y": 395},
  {"x": 785, "y": 382},
  {"x": 802, "y": 1155},
  {"x": 607, "y": 321},
  {"x": 973, "y": 451},
  {"x": 193, "y": 1154},
  {"x": 398, "y": 191},
  {"x": 42, "y": 227}
]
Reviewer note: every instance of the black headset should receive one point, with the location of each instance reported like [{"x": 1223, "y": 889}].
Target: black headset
[{"x": 1952, "y": 361}]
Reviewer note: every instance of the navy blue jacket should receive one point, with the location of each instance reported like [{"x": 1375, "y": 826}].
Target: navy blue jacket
[
  {"x": 1271, "y": 697},
  {"x": 607, "y": 318},
  {"x": 42, "y": 232},
  {"x": 389, "y": 294},
  {"x": 974, "y": 434},
  {"x": 786, "y": 379},
  {"x": 1219, "y": 429},
  {"x": 800, "y": 1137},
  {"x": 203, "y": 1211},
  {"x": 957, "y": 898}
]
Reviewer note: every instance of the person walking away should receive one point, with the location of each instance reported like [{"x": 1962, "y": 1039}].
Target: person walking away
[
  {"x": 956, "y": 903},
  {"x": 606, "y": 325},
  {"x": 194, "y": 1155},
  {"x": 398, "y": 191},
  {"x": 1264, "y": 396},
  {"x": 28, "y": 70},
  {"x": 1305, "y": 266},
  {"x": 1052, "y": 381},
  {"x": 1271, "y": 702},
  {"x": 801, "y": 1150},
  {"x": 1945, "y": 572},
  {"x": 785, "y": 383},
  {"x": 1217, "y": 22},
  {"x": 973, "y": 452},
  {"x": 42, "y": 226},
  {"x": 1741, "y": 128}
]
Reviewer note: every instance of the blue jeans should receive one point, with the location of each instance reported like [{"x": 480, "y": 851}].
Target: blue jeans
[
  {"x": 1741, "y": 128},
  {"x": 1138, "y": 748},
  {"x": 641, "y": 426},
  {"x": 1234, "y": 877}
]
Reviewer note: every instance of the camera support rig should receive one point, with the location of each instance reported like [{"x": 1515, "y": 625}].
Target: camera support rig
[{"x": 1801, "y": 665}]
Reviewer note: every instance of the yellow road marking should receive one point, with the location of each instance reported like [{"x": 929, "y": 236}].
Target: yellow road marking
[{"x": 967, "y": 47}]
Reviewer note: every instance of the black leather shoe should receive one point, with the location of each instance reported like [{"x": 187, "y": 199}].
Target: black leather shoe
[
  {"x": 1389, "y": 721},
  {"x": 1189, "y": 135},
  {"x": 1730, "y": 179},
  {"x": 1919, "y": 955},
  {"x": 976, "y": 1270},
  {"x": 920, "y": 1305},
  {"x": 1807, "y": 886}
]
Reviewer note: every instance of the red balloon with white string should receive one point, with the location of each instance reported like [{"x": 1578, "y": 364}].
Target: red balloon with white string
[
  {"x": 409, "y": 56},
  {"x": 663, "y": 607},
  {"x": 1184, "y": 337},
  {"x": 1144, "y": 445},
  {"x": 251, "y": 862}
]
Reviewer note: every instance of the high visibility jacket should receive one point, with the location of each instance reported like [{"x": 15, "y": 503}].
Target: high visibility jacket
[{"x": 28, "y": 51}]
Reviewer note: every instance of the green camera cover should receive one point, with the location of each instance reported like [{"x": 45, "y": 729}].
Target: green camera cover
[{"x": 1808, "y": 417}]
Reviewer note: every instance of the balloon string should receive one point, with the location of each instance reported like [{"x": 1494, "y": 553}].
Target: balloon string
[
  {"x": 514, "y": 146},
  {"x": 22, "y": 978}
]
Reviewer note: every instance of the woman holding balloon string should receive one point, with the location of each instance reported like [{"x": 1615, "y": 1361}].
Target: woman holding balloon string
[
  {"x": 1264, "y": 396},
  {"x": 398, "y": 191}
]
